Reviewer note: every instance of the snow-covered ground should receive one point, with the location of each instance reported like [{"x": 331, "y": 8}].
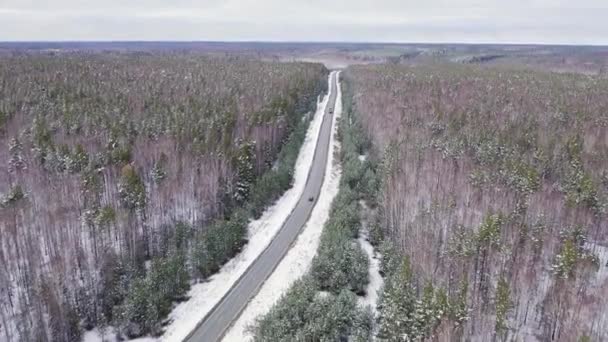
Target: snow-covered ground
[
  {"x": 108, "y": 335},
  {"x": 297, "y": 261},
  {"x": 372, "y": 292},
  {"x": 602, "y": 254},
  {"x": 204, "y": 296}
]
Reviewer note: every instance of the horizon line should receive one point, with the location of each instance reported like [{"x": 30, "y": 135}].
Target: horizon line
[{"x": 114, "y": 41}]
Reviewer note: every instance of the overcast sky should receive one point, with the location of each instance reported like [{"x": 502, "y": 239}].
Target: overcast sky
[{"x": 503, "y": 21}]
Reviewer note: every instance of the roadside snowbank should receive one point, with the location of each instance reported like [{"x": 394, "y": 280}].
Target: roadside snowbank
[
  {"x": 204, "y": 296},
  {"x": 298, "y": 259}
]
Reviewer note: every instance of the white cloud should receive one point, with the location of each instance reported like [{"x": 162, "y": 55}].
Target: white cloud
[{"x": 542, "y": 21}]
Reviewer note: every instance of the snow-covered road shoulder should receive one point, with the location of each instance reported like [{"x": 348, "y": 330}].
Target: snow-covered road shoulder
[{"x": 298, "y": 259}]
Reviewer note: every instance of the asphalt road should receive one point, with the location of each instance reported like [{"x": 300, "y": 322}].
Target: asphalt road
[{"x": 217, "y": 322}]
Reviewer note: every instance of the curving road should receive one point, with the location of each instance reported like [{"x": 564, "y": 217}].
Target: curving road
[{"x": 218, "y": 320}]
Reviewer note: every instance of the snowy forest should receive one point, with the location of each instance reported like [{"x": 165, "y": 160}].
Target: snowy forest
[
  {"x": 468, "y": 197},
  {"x": 491, "y": 201},
  {"x": 128, "y": 176},
  {"x": 488, "y": 194}
]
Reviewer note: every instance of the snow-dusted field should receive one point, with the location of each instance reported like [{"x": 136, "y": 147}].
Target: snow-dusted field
[
  {"x": 204, "y": 296},
  {"x": 297, "y": 261}
]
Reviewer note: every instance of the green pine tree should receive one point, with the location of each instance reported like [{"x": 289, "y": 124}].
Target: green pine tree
[
  {"x": 398, "y": 305},
  {"x": 245, "y": 167}
]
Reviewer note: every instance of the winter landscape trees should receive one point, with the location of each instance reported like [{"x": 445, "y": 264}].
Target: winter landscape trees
[
  {"x": 128, "y": 175},
  {"x": 491, "y": 200},
  {"x": 323, "y": 305}
]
